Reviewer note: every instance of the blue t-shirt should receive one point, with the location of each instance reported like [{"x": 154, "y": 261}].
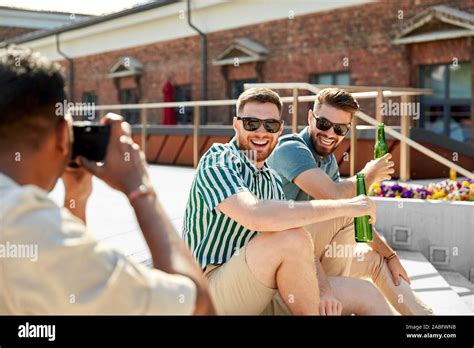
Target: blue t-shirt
[{"x": 294, "y": 155}]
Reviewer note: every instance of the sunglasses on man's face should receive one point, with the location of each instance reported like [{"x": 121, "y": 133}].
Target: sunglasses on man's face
[
  {"x": 251, "y": 124},
  {"x": 324, "y": 124}
]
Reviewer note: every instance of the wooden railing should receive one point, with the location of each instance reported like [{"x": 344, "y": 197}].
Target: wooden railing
[
  {"x": 362, "y": 92},
  {"x": 359, "y": 92},
  {"x": 367, "y": 92}
]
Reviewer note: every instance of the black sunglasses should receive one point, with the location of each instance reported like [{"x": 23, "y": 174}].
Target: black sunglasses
[
  {"x": 324, "y": 124},
  {"x": 251, "y": 124}
]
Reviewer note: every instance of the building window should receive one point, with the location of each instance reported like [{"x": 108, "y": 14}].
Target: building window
[
  {"x": 184, "y": 115},
  {"x": 335, "y": 78},
  {"x": 129, "y": 96},
  {"x": 236, "y": 89},
  {"x": 448, "y": 110},
  {"x": 90, "y": 97}
]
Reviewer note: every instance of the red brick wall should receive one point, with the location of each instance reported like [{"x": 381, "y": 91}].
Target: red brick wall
[
  {"x": 313, "y": 43},
  {"x": 439, "y": 52},
  {"x": 177, "y": 60}
]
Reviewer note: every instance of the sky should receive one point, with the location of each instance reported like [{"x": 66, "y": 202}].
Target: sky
[{"x": 93, "y": 7}]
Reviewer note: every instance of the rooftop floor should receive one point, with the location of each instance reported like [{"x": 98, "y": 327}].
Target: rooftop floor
[{"x": 111, "y": 218}]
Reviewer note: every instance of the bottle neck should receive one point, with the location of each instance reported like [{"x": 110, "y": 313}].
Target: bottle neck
[
  {"x": 381, "y": 134},
  {"x": 361, "y": 187}
]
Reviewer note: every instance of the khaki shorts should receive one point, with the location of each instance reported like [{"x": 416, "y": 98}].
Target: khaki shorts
[
  {"x": 331, "y": 233},
  {"x": 329, "y": 237},
  {"x": 236, "y": 291},
  {"x": 234, "y": 288}
]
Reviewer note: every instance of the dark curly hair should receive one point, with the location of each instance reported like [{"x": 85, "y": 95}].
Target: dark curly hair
[{"x": 30, "y": 87}]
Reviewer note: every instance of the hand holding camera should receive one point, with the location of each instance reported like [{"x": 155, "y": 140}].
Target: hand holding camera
[{"x": 124, "y": 166}]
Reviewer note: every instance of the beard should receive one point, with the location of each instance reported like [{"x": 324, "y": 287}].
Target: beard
[
  {"x": 257, "y": 153},
  {"x": 321, "y": 143}
]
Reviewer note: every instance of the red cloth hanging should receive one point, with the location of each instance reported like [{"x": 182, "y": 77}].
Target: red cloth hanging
[{"x": 169, "y": 114}]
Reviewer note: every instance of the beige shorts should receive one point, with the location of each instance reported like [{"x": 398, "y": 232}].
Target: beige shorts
[
  {"x": 234, "y": 288},
  {"x": 331, "y": 237},
  {"x": 236, "y": 291}
]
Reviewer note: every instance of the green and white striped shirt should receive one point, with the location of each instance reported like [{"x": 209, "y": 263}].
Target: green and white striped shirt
[{"x": 223, "y": 171}]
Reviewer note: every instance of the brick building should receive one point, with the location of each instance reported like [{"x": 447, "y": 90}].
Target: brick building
[{"x": 127, "y": 57}]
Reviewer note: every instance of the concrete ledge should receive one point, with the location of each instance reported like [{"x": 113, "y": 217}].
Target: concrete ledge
[
  {"x": 430, "y": 224},
  {"x": 431, "y": 287}
]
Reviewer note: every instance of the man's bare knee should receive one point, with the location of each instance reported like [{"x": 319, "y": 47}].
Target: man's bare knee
[
  {"x": 294, "y": 240},
  {"x": 377, "y": 304}
]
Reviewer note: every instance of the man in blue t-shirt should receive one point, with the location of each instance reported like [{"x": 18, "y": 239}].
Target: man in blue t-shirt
[{"x": 309, "y": 170}]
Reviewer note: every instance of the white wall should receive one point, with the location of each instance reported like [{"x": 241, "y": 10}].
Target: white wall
[
  {"x": 170, "y": 22},
  {"x": 432, "y": 223}
]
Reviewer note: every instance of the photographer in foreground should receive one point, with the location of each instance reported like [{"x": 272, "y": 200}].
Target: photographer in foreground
[{"x": 74, "y": 273}]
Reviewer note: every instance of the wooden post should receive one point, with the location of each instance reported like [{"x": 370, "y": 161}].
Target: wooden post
[
  {"x": 197, "y": 121},
  {"x": 353, "y": 155},
  {"x": 294, "y": 115},
  {"x": 404, "y": 148},
  {"x": 144, "y": 121},
  {"x": 378, "y": 106}
]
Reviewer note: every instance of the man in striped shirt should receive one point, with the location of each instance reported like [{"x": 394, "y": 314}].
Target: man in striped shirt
[{"x": 249, "y": 241}]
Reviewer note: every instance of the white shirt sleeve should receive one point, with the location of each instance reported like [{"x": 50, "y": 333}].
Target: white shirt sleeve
[{"x": 73, "y": 273}]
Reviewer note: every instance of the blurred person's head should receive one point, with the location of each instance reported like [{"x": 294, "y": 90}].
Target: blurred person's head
[
  {"x": 330, "y": 119},
  {"x": 260, "y": 138},
  {"x": 33, "y": 137}
]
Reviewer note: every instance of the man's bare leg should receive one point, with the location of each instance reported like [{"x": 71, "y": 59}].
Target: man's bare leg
[
  {"x": 359, "y": 297},
  {"x": 368, "y": 265},
  {"x": 285, "y": 260},
  {"x": 371, "y": 265}
]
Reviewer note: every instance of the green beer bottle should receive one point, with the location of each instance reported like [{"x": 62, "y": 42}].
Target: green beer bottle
[
  {"x": 363, "y": 230},
  {"x": 380, "y": 148}
]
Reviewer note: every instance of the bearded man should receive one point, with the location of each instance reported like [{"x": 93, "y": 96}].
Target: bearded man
[
  {"x": 309, "y": 170},
  {"x": 250, "y": 242}
]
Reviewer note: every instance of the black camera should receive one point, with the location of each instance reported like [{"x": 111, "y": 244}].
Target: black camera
[{"x": 90, "y": 140}]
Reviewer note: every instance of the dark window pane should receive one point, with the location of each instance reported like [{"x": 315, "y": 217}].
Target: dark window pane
[
  {"x": 236, "y": 89},
  {"x": 434, "y": 77},
  {"x": 342, "y": 79},
  {"x": 460, "y": 81},
  {"x": 433, "y": 118},
  {"x": 184, "y": 115},
  {"x": 129, "y": 96},
  {"x": 89, "y": 97},
  {"x": 324, "y": 79},
  {"x": 452, "y": 88},
  {"x": 460, "y": 123}
]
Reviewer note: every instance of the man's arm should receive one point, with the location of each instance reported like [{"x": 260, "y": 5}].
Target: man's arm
[
  {"x": 319, "y": 185},
  {"x": 329, "y": 304},
  {"x": 380, "y": 246},
  {"x": 272, "y": 215},
  {"x": 169, "y": 253},
  {"x": 77, "y": 188}
]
